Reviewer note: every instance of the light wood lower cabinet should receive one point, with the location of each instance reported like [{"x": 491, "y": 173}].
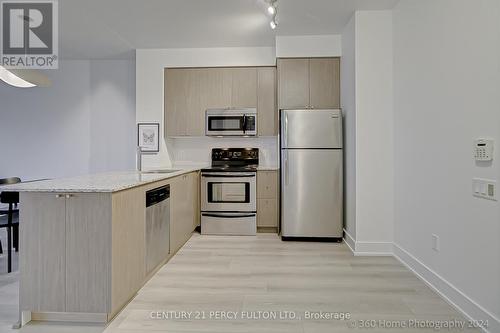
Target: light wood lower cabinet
[
  {"x": 267, "y": 200},
  {"x": 184, "y": 209},
  {"x": 267, "y": 213},
  {"x": 85, "y": 253},
  {"x": 128, "y": 244},
  {"x": 88, "y": 257},
  {"x": 42, "y": 256}
]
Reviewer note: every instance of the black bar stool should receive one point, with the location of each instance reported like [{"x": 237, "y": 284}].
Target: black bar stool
[{"x": 12, "y": 199}]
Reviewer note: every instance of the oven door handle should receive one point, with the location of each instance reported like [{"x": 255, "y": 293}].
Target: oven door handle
[
  {"x": 226, "y": 176},
  {"x": 229, "y": 215}
]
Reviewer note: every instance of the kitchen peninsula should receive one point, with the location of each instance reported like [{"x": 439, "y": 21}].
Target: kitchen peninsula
[{"x": 84, "y": 239}]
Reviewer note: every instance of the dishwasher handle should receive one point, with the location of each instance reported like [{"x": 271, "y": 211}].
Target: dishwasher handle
[{"x": 157, "y": 195}]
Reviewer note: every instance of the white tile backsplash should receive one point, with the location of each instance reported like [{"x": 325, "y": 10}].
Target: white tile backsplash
[{"x": 198, "y": 149}]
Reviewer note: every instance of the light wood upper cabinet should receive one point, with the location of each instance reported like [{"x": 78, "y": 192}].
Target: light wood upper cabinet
[
  {"x": 293, "y": 83},
  {"x": 195, "y": 123},
  {"x": 215, "y": 89},
  {"x": 267, "y": 113},
  {"x": 189, "y": 92},
  {"x": 324, "y": 78},
  {"x": 244, "y": 87},
  {"x": 309, "y": 83},
  {"x": 182, "y": 101}
]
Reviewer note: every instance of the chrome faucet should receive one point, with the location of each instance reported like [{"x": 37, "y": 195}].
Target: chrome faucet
[{"x": 139, "y": 158}]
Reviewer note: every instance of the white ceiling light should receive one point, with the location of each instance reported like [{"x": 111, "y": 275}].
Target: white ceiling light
[
  {"x": 273, "y": 24},
  {"x": 271, "y": 9},
  {"x": 24, "y": 78}
]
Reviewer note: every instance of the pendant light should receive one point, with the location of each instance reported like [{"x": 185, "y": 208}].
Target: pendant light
[{"x": 24, "y": 78}]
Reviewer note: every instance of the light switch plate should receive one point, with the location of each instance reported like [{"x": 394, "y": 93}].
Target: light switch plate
[{"x": 484, "y": 188}]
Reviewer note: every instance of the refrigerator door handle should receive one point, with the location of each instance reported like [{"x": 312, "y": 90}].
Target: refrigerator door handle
[
  {"x": 286, "y": 168},
  {"x": 286, "y": 130}
]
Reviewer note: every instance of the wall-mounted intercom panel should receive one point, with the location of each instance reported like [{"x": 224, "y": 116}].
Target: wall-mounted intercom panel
[{"x": 483, "y": 150}]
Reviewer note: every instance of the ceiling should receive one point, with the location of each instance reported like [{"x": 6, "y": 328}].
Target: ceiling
[{"x": 113, "y": 29}]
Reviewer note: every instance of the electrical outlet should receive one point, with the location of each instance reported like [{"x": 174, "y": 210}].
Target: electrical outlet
[
  {"x": 484, "y": 188},
  {"x": 435, "y": 243}
]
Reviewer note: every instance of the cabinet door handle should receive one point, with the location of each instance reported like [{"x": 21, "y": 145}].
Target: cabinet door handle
[
  {"x": 59, "y": 196},
  {"x": 69, "y": 196}
]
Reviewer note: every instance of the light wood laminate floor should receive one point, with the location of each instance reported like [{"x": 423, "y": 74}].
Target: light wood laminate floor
[
  {"x": 251, "y": 274},
  {"x": 244, "y": 275}
]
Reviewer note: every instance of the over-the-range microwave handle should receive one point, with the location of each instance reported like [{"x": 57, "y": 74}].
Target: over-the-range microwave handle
[{"x": 229, "y": 215}]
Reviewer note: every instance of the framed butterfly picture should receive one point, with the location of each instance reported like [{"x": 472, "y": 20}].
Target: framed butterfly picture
[{"x": 148, "y": 137}]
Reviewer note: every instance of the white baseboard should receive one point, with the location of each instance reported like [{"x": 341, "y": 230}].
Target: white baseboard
[
  {"x": 75, "y": 317},
  {"x": 351, "y": 242},
  {"x": 378, "y": 249},
  {"x": 456, "y": 298},
  {"x": 451, "y": 294}
]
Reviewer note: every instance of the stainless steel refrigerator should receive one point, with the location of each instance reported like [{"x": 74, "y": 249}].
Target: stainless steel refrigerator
[{"x": 311, "y": 174}]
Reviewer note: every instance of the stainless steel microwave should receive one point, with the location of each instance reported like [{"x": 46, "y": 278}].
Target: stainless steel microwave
[{"x": 231, "y": 122}]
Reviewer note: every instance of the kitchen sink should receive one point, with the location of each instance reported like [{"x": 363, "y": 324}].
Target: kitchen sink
[{"x": 161, "y": 171}]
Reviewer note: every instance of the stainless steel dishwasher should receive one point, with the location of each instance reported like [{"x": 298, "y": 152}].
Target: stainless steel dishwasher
[{"x": 157, "y": 226}]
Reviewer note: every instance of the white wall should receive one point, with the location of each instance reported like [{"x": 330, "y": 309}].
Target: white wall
[
  {"x": 69, "y": 128},
  {"x": 348, "y": 101},
  {"x": 113, "y": 137},
  {"x": 374, "y": 131},
  {"x": 308, "y": 46},
  {"x": 150, "y": 64},
  {"x": 447, "y": 79},
  {"x": 367, "y": 100}
]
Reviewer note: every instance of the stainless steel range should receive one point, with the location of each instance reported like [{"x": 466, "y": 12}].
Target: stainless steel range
[{"x": 228, "y": 192}]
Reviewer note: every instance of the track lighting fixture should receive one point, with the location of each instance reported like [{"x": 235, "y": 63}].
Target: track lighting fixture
[{"x": 273, "y": 10}]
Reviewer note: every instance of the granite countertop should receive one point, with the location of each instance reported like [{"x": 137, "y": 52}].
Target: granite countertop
[{"x": 101, "y": 182}]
